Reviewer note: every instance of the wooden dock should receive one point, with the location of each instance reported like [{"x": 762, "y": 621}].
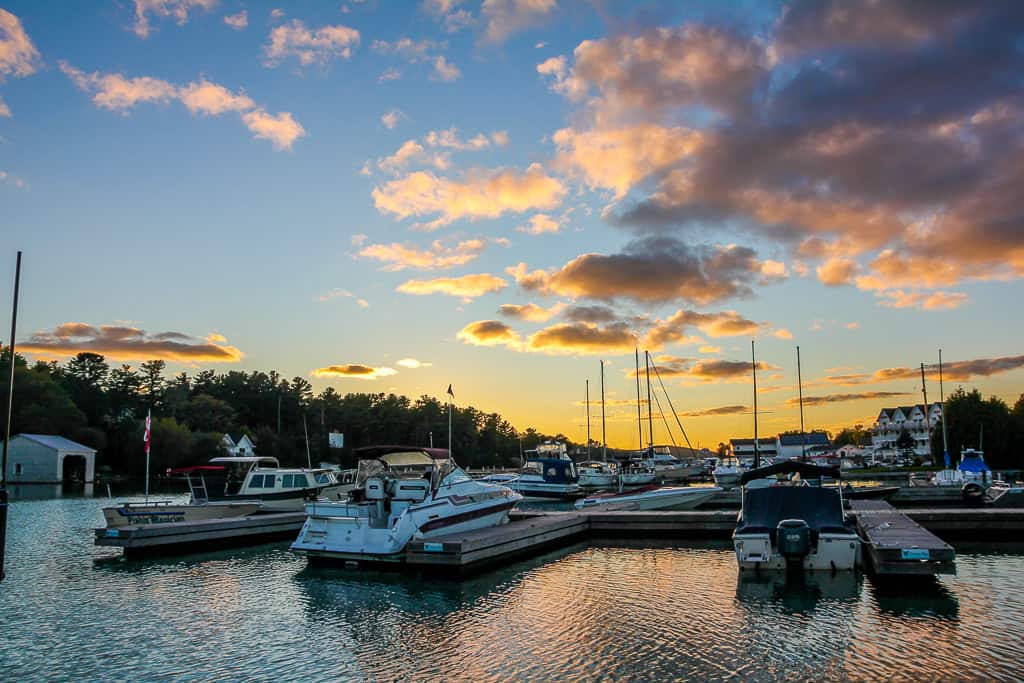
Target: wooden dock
[
  {"x": 184, "y": 536},
  {"x": 894, "y": 544}
]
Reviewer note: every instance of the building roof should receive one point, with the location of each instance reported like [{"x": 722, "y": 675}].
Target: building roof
[
  {"x": 812, "y": 439},
  {"x": 56, "y": 442},
  {"x": 761, "y": 442}
]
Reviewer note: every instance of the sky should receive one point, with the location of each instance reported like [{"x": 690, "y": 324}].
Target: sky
[{"x": 398, "y": 196}]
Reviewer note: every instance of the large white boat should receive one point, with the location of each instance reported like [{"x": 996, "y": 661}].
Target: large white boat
[
  {"x": 727, "y": 472},
  {"x": 262, "y": 479},
  {"x": 652, "y": 498},
  {"x": 637, "y": 473},
  {"x": 401, "y": 494},
  {"x": 596, "y": 474},
  {"x": 794, "y": 526}
]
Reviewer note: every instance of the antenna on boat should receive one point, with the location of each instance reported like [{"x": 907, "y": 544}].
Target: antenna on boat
[
  {"x": 942, "y": 408},
  {"x": 588, "y": 419},
  {"x": 800, "y": 387},
  {"x": 604, "y": 440},
  {"x": 309, "y": 460},
  {"x": 7, "y": 430},
  {"x": 650, "y": 416},
  {"x": 753, "y": 367}
]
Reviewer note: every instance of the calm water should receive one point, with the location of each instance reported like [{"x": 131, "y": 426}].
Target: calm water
[{"x": 602, "y": 611}]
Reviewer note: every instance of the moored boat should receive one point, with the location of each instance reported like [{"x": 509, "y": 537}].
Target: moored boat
[
  {"x": 794, "y": 526},
  {"x": 553, "y": 477},
  {"x": 727, "y": 472},
  {"x": 650, "y": 498},
  {"x": 402, "y": 493},
  {"x": 596, "y": 474},
  {"x": 160, "y": 512}
]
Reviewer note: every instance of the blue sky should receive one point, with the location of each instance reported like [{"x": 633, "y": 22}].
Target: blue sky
[{"x": 744, "y": 165}]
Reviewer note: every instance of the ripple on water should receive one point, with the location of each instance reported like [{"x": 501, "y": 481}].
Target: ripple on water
[{"x": 608, "y": 611}]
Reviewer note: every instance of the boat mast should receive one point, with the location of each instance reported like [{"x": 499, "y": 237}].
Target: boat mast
[
  {"x": 588, "y": 419},
  {"x": 800, "y": 388},
  {"x": 942, "y": 409},
  {"x": 604, "y": 439},
  {"x": 753, "y": 367},
  {"x": 924, "y": 393},
  {"x": 650, "y": 415},
  {"x": 639, "y": 419}
]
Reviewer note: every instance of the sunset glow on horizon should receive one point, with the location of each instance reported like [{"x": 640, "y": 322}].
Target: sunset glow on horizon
[{"x": 497, "y": 194}]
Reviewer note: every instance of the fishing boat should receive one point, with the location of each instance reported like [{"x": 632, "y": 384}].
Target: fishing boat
[
  {"x": 794, "y": 526},
  {"x": 163, "y": 511},
  {"x": 650, "y": 498},
  {"x": 548, "y": 472},
  {"x": 402, "y": 493},
  {"x": 262, "y": 479}
]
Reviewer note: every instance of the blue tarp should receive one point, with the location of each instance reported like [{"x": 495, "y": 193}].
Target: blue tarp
[{"x": 973, "y": 463}]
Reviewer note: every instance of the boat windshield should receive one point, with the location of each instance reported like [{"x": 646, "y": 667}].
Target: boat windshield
[{"x": 448, "y": 473}]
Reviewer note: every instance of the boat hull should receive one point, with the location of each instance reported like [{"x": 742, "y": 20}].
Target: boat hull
[
  {"x": 135, "y": 514},
  {"x": 293, "y": 500},
  {"x": 658, "y": 499},
  {"x": 638, "y": 478},
  {"x": 598, "y": 480},
  {"x": 833, "y": 552},
  {"x": 726, "y": 480}
]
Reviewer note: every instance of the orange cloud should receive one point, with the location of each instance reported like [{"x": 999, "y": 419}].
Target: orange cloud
[
  {"x": 237, "y": 21},
  {"x": 121, "y": 342},
  {"x": 436, "y": 257},
  {"x": 928, "y": 301},
  {"x": 480, "y": 194},
  {"x": 489, "y": 333},
  {"x": 530, "y": 312},
  {"x": 721, "y": 410},
  {"x": 539, "y": 224},
  {"x": 723, "y": 324},
  {"x": 467, "y": 286},
  {"x": 165, "y": 9},
  {"x": 583, "y": 338},
  {"x": 503, "y": 18},
  {"x": 837, "y": 271},
  {"x": 956, "y": 371},
  {"x": 845, "y": 398},
  {"x": 354, "y": 371}
]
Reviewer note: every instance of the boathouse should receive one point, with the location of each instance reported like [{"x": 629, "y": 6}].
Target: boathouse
[{"x": 49, "y": 459}]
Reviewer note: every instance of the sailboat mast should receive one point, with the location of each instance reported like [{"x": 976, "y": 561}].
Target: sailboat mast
[
  {"x": 604, "y": 439},
  {"x": 753, "y": 367},
  {"x": 650, "y": 415},
  {"x": 942, "y": 408},
  {"x": 588, "y": 419},
  {"x": 800, "y": 388},
  {"x": 639, "y": 419}
]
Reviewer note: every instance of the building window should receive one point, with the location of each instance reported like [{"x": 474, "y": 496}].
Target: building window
[{"x": 19, "y": 469}]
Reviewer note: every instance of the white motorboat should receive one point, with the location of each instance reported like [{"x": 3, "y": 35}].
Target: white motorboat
[
  {"x": 972, "y": 468},
  {"x": 596, "y": 474},
  {"x": 548, "y": 473},
  {"x": 162, "y": 511},
  {"x": 652, "y": 498},
  {"x": 794, "y": 526},
  {"x": 636, "y": 473},
  {"x": 668, "y": 467},
  {"x": 401, "y": 494},
  {"x": 727, "y": 473},
  {"x": 262, "y": 479}
]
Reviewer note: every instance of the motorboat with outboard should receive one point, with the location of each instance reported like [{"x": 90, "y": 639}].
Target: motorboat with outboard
[
  {"x": 402, "y": 493},
  {"x": 650, "y": 498},
  {"x": 163, "y": 511},
  {"x": 550, "y": 473},
  {"x": 596, "y": 474},
  {"x": 794, "y": 526},
  {"x": 262, "y": 479}
]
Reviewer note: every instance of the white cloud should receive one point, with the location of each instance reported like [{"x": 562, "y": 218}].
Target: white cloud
[
  {"x": 505, "y": 17},
  {"x": 391, "y": 118},
  {"x": 237, "y": 21},
  {"x": 444, "y": 71},
  {"x": 165, "y": 9},
  {"x": 309, "y": 46}
]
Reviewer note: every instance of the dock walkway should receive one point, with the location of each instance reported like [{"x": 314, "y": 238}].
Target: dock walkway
[{"x": 896, "y": 544}]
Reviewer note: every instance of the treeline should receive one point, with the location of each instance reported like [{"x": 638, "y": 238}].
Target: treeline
[{"x": 104, "y": 407}]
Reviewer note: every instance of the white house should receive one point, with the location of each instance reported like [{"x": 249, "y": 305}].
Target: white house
[
  {"x": 918, "y": 420},
  {"x": 242, "y": 447},
  {"x": 743, "y": 449},
  {"x": 794, "y": 446},
  {"x": 48, "y": 459}
]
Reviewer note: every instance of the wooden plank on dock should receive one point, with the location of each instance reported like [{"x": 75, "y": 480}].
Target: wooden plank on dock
[
  {"x": 525, "y": 534},
  {"x": 148, "y": 536},
  {"x": 894, "y": 544},
  {"x": 679, "y": 523}
]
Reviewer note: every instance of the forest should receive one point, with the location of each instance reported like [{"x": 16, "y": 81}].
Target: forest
[{"x": 94, "y": 403}]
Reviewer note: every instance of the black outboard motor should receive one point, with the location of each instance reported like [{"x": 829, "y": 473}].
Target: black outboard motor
[
  {"x": 794, "y": 541},
  {"x": 973, "y": 493}
]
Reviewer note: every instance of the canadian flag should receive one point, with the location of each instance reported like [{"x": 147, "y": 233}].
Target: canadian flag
[{"x": 148, "y": 415}]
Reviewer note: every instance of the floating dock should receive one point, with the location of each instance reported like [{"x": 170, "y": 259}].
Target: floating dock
[
  {"x": 895, "y": 544},
  {"x": 185, "y": 536}
]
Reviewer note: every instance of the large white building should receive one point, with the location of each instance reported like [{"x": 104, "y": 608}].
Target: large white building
[
  {"x": 48, "y": 459},
  {"x": 743, "y": 449},
  {"x": 918, "y": 420}
]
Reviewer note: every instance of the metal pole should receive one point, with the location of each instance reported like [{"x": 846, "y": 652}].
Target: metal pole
[
  {"x": 450, "y": 454},
  {"x": 604, "y": 439},
  {"x": 305, "y": 431},
  {"x": 942, "y": 408},
  {"x": 588, "y": 419},
  {"x": 753, "y": 366},
  {"x": 650, "y": 416},
  {"x": 800, "y": 386},
  {"x": 924, "y": 393},
  {"x": 7, "y": 430}
]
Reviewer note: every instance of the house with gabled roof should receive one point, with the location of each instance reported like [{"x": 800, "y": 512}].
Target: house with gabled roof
[
  {"x": 243, "y": 446},
  {"x": 918, "y": 420}
]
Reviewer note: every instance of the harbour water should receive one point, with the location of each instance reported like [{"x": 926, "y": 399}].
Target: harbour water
[{"x": 610, "y": 611}]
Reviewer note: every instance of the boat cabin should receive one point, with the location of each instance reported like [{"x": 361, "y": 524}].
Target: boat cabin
[{"x": 552, "y": 470}]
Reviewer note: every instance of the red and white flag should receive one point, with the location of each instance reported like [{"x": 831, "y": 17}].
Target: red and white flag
[{"x": 148, "y": 415}]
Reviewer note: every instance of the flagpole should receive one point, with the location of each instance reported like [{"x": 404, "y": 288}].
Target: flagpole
[
  {"x": 7, "y": 430},
  {"x": 149, "y": 417},
  {"x": 451, "y": 400}
]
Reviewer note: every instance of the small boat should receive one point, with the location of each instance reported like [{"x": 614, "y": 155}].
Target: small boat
[
  {"x": 1002, "y": 495},
  {"x": 972, "y": 468},
  {"x": 548, "y": 473},
  {"x": 402, "y": 493},
  {"x": 596, "y": 474},
  {"x": 650, "y": 498},
  {"x": 636, "y": 473},
  {"x": 727, "y": 473},
  {"x": 262, "y": 479},
  {"x": 794, "y": 526},
  {"x": 163, "y": 511}
]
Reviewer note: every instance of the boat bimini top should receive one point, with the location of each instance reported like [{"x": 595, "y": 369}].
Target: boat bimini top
[
  {"x": 404, "y": 462},
  {"x": 804, "y": 469}
]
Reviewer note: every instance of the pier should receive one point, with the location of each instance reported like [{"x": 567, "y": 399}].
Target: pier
[{"x": 893, "y": 543}]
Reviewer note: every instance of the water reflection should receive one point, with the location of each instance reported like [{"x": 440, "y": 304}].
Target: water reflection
[
  {"x": 915, "y": 596},
  {"x": 798, "y": 592}
]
